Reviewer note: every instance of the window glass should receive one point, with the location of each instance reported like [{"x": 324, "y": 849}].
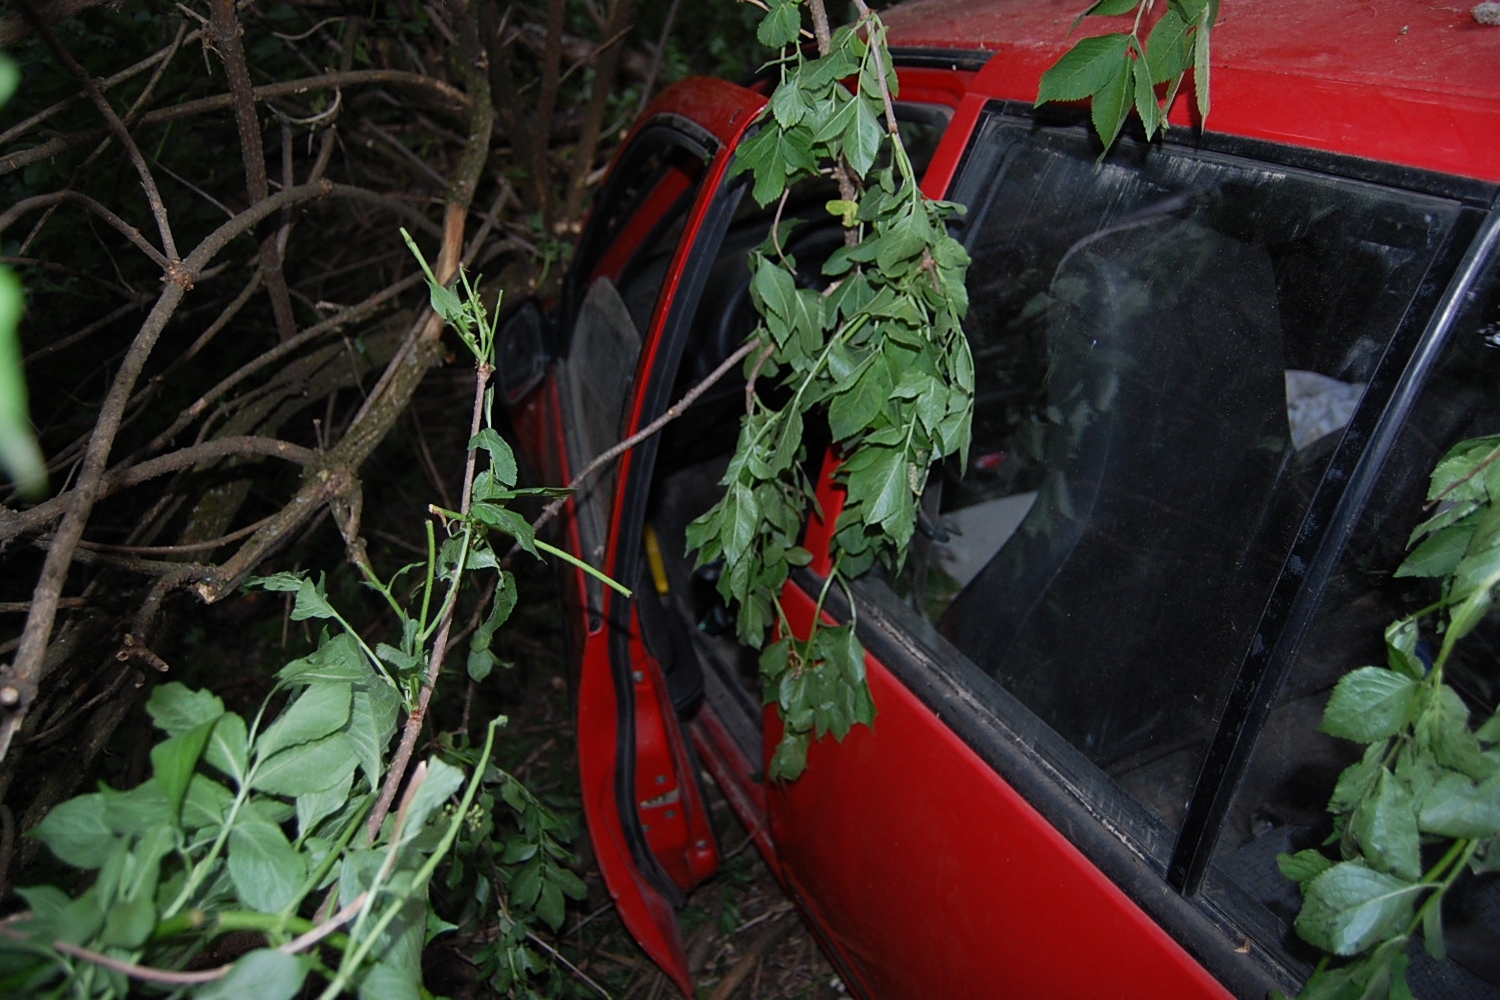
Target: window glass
[
  {"x": 1280, "y": 806},
  {"x": 1167, "y": 345}
]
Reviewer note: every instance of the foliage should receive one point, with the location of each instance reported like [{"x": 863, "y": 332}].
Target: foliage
[
  {"x": 20, "y": 458},
  {"x": 1422, "y": 806},
  {"x": 281, "y": 824},
  {"x": 879, "y": 353},
  {"x": 1120, "y": 71}
]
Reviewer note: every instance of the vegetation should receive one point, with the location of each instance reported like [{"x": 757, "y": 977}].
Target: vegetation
[
  {"x": 292, "y": 819},
  {"x": 879, "y": 353}
]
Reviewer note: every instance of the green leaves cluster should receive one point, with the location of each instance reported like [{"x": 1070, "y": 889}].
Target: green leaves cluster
[
  {"x": 1428, "y": 784},
  {"x": 879, "y": 353},
  {"x": 278, "y": 824},
  {"x": 241, "y": 826},
  {"x": 1121, "y": 71},
  {"x": 512, "y": 876}
]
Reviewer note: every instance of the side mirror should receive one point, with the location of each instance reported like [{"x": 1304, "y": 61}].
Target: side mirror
[{"x": 521, "y": 352}]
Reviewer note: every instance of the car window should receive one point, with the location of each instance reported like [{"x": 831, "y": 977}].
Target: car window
[
  {"x": 1167, "y": 345},
  {"x": 1280, "y": 804}
]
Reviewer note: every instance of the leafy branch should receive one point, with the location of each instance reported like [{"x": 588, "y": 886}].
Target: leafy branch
[
  {"x": 1428, "y": 784},
  {"x": 1120, "y": 71},
  {"x": 879, "y": 353},
  {"x": 288, "y": 823}
]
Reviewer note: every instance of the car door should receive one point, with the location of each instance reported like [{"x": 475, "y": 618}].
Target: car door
[
  {"x": 1181, "y": 355},
  {"x": 635, "y": 266}
]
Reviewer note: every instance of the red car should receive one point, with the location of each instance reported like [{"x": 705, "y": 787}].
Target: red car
[{"x": 1213, "y": 374}]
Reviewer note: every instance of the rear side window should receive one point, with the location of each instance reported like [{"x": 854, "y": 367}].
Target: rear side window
[
  {"x": 1167, "y": 345},
  {"x": 1280, "y": 805}
]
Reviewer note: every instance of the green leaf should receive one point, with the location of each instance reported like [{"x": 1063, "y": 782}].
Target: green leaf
[
  {"x": 1084, "y": 70},
  {"x": 480, "y": 660},
  {"x": 314, "y": 807},
  {"x": 311, "y": 603},
  {"x": 1401, "y": 639},
  {"x": 206, "y": 804},
  {"x": 436, "y": 785},
  {"x": 1357, "y": 779},
  {"x": 502, "y": 458},
  {"x": 1112, "y": 102},
  {"x": 1200, "y": 59},
  {"x": 338, "y": 658},
  {"x": 781, "y": 25},
  {"x": 264, "y": 867},
  {"x": 1146, "y": 106},
  {"x": 1169, "y": 48},
  {"x": 550, "y": 906},
  {"x": 372, "y": 721},
  {"x": 321, "y": 709},
  {"x": 76, "y": 832},
  {"x": 287, "y": 582},
  {"x": 1442, "y": 730},
  {"x": 1110, "y": 8},
  {"x": 1303, "y": 865},
  {"x": 265, "y": 974},
  {"x": 790, "y": 758},
  {"x": 508, "y": 521},
  {"x": 1439, "y": 554},
  {"x": 139, "y": 810},
  {"x": 174, "y": 760},
  {"x": 228, "y": 747},
  {"x": 128, "y": 923},
  {"x": 1457, "y": 806},
  {"x": 307, "y": 767},
  {"x": 1369, "y": 704},
  {"x": 176, "y": 709},
  {"x": 1385, "y": 825},
  {"x": 1350, "y": 907}
]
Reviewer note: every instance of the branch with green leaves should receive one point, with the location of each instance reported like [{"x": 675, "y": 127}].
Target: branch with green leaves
[
  {"x": 1428, "y": 784},
  {"x": 300, "y": 824},
  {"x": 878, "y": 353},
  {"x": 1121, "y": 71}
]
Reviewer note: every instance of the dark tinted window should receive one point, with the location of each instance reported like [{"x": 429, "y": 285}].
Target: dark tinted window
[
  {"x": 1280, "y": 804},
  {"x": 1168, "y": 345}
]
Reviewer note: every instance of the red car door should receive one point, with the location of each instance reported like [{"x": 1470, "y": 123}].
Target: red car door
[{"x": 641, "y": 794}]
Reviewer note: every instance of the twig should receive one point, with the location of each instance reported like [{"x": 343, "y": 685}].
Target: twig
[
  {"x": 752, "y": 956},
  {"x": 25, "y": 205},
  {"x": 540, "y": 943},
  {"x": 226, "y": 40},
  {"x": 609, "y": 455},
  {"x": 115, "y": 125},
  {"x": 121, "y": 478},
  {"x": 219, "y": 102}
]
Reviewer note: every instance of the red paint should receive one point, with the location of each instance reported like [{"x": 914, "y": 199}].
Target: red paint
[
  {"x": 1396, "y": 80},
  {"x": 901, "y": 841}
]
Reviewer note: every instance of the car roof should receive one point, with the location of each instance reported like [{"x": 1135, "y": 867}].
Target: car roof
[{"x": 1412, "y": 82}]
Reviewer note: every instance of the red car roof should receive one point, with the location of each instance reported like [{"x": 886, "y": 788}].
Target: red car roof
[{"x": 1411, "y": 82}]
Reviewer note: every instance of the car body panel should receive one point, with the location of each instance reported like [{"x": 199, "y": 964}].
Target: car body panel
[
  {"x": 1021, "y": 906},
  {"x": 1408, "y": 83}
]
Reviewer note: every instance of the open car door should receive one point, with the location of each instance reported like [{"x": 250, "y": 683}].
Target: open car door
[{"x": 637, "y": 274}]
